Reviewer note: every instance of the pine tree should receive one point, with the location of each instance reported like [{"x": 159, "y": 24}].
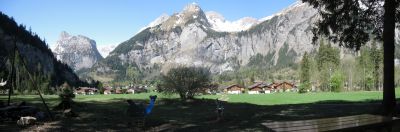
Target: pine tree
[
  {"x": 365, "y": 68},
  {"x": 305, "y": 74},
  {"x": 328, "y": 61},
  {"x": 376, "y": 57}
]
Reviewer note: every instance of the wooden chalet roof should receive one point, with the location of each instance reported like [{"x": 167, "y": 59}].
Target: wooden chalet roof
[
  {"x": 85, "y": 89},
  {"x": 258, "y": 84},
  {"x": 291, "y": 84},
  {"x": 230, "y": 86}
]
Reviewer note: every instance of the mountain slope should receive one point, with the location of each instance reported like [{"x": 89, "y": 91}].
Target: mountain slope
[
  {"x": 190, "y": 38},
  {"x": 79, "y": 52},
  {"x": 34, "y": 51}
]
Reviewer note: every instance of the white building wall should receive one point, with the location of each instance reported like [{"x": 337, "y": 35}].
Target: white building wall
[
  {"x": 234, "y": 92},
  {"x": 254, "y": 92}
]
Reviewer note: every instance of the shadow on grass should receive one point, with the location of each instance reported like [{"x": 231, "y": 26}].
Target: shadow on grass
[{"x": 200, "y": 115}]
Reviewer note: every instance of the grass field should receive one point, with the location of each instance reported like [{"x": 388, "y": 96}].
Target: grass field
[
  {"x": 258, "y": 99},
  {"x": 242, "y": 112}
]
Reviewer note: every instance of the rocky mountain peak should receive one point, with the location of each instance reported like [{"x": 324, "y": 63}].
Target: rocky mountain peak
[
  {"x": 77, "y": 51},
  {"x": 191, "y": 14},
  {"x": 193, "y": 7},
  {"x": 64, "y": 35}
]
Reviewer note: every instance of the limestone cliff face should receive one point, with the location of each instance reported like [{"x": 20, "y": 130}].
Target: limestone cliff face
[
  {"x": 78, "y": 52},
  {"x": 190, "y": 38}
]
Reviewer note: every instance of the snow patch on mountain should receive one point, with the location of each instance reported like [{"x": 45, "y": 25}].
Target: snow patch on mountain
[
  {"x": 159, "y": 20},
  {"x": 106, "y": 49},
  {"x": 218, "y": 23},
  {"x": 297, "y": 5},
  {"x": 164, "y": 17}
]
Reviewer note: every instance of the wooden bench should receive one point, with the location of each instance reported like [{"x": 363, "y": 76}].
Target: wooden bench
[{"x": 347, "y": 123}]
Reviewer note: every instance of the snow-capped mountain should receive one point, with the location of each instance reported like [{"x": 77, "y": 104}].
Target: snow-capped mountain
[
  {"x": 218, "y": 23},
  {"x": 192, "y": 37},
  {"x": 78, "y": 52},
  {"x": 106, "y": 49}
]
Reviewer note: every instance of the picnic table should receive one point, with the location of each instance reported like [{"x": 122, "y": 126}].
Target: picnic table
[{"x": 346, "y": 123}]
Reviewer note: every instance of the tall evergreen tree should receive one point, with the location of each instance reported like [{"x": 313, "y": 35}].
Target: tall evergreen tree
[
  {"x": 365, "y": 68},
  {"x": 305, "y": 74},
  {"x": 328, "y": 61},
  {"x": 376, "y": 57}
]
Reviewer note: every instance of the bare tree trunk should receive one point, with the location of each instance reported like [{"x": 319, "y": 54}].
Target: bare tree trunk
[{"x": 389, "y": 100}]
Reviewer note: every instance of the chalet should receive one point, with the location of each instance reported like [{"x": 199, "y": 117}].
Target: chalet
[
  {"x": 137, "y": 89},
  {"x": 118, "y": 91},
  {"x": 210, "y": 89},
  {"x": 257, "y": 88},
  {"x": 286, "y": 87},
  {"x": 271, "y": 88},
  {"x": 130, "y": 91},
  {"x": 234, "y": 89},
  {"x": 85, "y": 91},
  {"x": 108, "y": 90},
  {"x": 79, "y": 91}
]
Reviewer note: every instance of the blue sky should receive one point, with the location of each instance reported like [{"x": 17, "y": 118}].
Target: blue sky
[{"x": 114, "y": 21}]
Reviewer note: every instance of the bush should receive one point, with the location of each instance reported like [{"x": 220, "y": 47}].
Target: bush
[
  {"x": 66, "y": 97},
  {"x": 67, "y": 93},
  {"x": 337, "y": 82},
  {"x": 304, "y": 87}
]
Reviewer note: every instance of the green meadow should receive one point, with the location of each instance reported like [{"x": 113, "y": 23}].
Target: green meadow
[{"x": 243, "y": 111}]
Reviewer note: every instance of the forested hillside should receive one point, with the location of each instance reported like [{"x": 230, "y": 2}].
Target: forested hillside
[{"x": 33, "y": 56}]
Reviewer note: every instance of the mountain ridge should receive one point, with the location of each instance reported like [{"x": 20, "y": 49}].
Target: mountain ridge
[{"x": 188, "y": 38}]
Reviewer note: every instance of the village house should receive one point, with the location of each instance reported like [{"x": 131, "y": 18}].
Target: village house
[
  {"x": 271, "y": 88},
  {"x": 118, "y": 91},
  {"x": 257, "y": 88},
  {"x": 210, "y": 89},
  {"x": 107, "y": 90},
  {"x": 137, "y": 89},
  {"x": 130, "y": 91},
  {"x": 234, "y": 89},
  {"x": 85, "y": 91},
  {"x": 286, "y": 87}
]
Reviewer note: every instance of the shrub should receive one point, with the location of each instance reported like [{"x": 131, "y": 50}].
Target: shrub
[
  {"x": 336, "y": 83},
  {"x": 304, "y": 87}
]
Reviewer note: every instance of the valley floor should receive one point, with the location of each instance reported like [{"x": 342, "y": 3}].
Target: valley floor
[{"x": 241, "y": 112}]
